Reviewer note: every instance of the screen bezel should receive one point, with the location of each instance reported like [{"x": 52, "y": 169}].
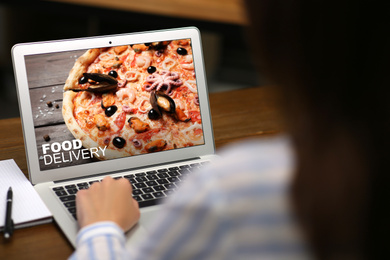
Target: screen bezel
[{"x": 19, "y": 52}]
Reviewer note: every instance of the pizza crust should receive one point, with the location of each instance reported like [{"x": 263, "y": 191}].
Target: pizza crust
[{"x": 80, "y": 67}]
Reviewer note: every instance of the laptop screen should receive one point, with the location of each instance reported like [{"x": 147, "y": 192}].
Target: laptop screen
[{"x": 103, "y": 104}]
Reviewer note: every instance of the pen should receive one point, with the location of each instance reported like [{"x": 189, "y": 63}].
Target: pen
[{"x": 8, "y": 226}]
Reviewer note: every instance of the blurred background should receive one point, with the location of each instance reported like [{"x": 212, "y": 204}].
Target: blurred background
[{"x": 222, "y": 24}]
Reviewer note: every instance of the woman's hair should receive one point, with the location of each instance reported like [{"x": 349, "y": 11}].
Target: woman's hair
[{"x": 330, "y": 61}]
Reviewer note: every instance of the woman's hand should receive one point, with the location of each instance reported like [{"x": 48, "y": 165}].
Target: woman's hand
[{"x": 109, "y": 200}]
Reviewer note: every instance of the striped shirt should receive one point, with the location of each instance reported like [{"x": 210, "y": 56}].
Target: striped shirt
[{"x": 235, "y": 208}]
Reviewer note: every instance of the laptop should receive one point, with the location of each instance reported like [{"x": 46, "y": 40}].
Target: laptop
[{"x": 41, "y": 70}]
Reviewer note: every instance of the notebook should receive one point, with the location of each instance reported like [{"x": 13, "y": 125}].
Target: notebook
[
  {"x": 131, "y": 106},
  {"x": 27, "y": 208}
]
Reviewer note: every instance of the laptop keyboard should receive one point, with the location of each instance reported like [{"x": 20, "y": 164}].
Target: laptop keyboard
[{"x": 148, "y": 187}]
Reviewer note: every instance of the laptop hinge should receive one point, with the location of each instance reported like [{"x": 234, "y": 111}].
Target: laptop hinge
[{"x": 126, "y": 170}]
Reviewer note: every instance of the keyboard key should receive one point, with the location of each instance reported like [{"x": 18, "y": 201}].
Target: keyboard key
[
  {"x": 163, "y": 175},
  {"x": 183, "y": 171},
  {"x": 72, "y": 186},
  {"x": 140, "y": 174},
  {"x": 151, "y": 183},
  {"x": 172, "y": 179},
  {"x": 162, "y": 181},
  {"x": 83, "y": 184},
  {"x": 170, "y": 186},
  {"x": 140, "y": 185},
  {"x": 117, "y": 177},
  {"x": 147, "y": 196},
  {"x": 151, "y": 172},
  {"x": 184, "y": 167},
  {"x": 70, "y": 204},
  {"x": 58, "y": 188},
  {"x": 147, "y": 190},
  {"x": 175, "y": 173},
  {"x": 162, "y": 170},
  {"x": 158, "y": 194},
  {"x": 160, "y": 187},
  {"x": 194, "y": 165},
  {"x": 132, "y": 180},
  {"x": 74, "y": 216},
  {"x": 173, "y": 168},
  {"x": 91, "y": 182},
  {"x": 152, "y": 177},
  {"x": 137, "y": 192},
  {"x": 72, "y": 210},
  {"x": 129, "y": 176},
  {"x": 61, "y": 193},
  {"x": 68, "y": 198},
  {"x": 83, "y": 188},
  {"x": 72, "y": 191},
  {"x": 141, "y": 179}
]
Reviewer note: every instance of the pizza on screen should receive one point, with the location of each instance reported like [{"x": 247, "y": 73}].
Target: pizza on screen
[{"x": 123, "y": 101}]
